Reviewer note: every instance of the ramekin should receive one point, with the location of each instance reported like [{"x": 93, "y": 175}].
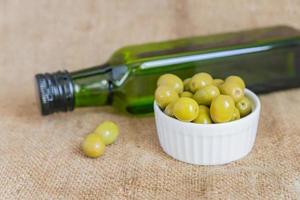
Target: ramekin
[{"x": 208, "y": 144}]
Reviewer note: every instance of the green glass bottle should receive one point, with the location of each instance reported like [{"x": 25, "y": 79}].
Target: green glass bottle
[{"x": 267, "y": 59}]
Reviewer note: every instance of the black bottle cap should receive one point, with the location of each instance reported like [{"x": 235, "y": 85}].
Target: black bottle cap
[{"x": 56, "y": 92}]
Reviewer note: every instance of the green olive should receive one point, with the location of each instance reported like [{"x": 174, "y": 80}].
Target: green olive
[
  {"x": 165, "y": 95},
  {"x": 244, "y": 106},
  {"x": 93, "y": 146},
  {"x": 236, "y": 79},
  {"x": 186, "y": 109},
  {"x": 205, "y": 95},
  {"x": 108, "y": 131},
  {"x": 236, "y": 114},
  {"x": 232, "y": 89},
  {"x": 186, "y": 94},
  {"x": 203, "y": 116},
  {"x": 217, "y": 82},
  {"x": 200, "y": 80},
  {"x": 169, "y": 109},
  {"x": 172, "y": 81},
  {"x": 222, "y": 108},
  {"x": 186, "y": 84}
]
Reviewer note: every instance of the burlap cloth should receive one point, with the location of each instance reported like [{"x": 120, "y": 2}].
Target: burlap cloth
[{"x": 40, "y": 156}]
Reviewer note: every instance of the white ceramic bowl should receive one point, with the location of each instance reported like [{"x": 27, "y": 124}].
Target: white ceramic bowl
[{"x": 208, "y": 144}]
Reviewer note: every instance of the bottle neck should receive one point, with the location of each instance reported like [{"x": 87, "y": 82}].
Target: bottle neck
[
  {"x": 63, "y": 91},
  {"x": 92, "y": 86}
]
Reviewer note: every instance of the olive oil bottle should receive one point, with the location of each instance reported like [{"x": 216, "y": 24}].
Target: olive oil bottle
[{"x": 267, "y": 59}]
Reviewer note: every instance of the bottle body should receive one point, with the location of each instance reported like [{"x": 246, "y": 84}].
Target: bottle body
[{"x": 128, "y": 80}]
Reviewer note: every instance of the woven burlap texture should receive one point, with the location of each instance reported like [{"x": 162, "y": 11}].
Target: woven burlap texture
[{"x": 40, "y": 157}]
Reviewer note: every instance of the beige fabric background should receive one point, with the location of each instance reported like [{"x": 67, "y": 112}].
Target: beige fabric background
[{"x": 40, "y": 156}]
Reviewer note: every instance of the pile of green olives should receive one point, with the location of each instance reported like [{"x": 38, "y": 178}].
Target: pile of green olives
[
  {"x": 94, "y": 143},
  {"x": 202, "y": 99}
]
